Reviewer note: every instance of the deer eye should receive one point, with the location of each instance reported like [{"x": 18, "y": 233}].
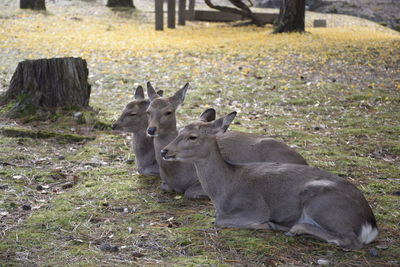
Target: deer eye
[
  {"x": 132, "y": 114},
  {"x": 168, "y": 113},
  {"x": 192, "y": 137}
]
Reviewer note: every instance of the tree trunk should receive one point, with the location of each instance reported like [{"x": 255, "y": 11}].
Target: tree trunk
[
  {"x": 45, "y": 85},
  {"x": 120, "y": 3},
  {"x": 33, "y": 4},
  {"x": 291, "y": 16}
]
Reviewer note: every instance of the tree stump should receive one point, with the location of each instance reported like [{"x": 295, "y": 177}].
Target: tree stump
[
  {"x": 120, "y": 3},
  {"x": 33, "y": 4},
  {"x": 45, "y": 85}
]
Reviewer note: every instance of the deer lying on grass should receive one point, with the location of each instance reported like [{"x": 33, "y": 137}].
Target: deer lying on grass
[
  {"x": 298, "y": 199},
  {"x": 134, "y": 119},
  {"x": 175, "y": 176},
  {"x": 180, "y": 176}
]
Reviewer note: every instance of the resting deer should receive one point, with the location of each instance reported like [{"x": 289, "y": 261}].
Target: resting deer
[
  {"x": 134, "y": 119},
  {"x": 175, "y": 176},
  {"x": 298, "y": 199},
  {"x": 179, "y": 176}
]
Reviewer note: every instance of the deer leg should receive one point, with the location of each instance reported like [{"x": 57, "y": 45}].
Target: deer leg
[
  {"x": 266, "y": 226},
  {"x": 247, "y": 224},
  {"x": 277, "y": 227},
  {"x": 351, "y": 241},
  {"x": 165, "y": 187},
  {"x": 241, "y": 225},
  {"x": 148, "y": 171},
  {"x": 195, "y": 192},
  {"x": 332, "y": 217}
]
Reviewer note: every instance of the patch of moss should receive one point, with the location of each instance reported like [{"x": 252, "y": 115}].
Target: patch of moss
[
  {"x": 301, "y": 102},
  {"x": 252, "y": 243},
  {"x": 359, "y": 132},
  {"x": 194, "y": 261},
  {"x": 297, "y": 134},
  {"x": 395, "y": 149},
  {"x": 102, "y": 125},
  {"x": 40, "y": 134},
  {"x": 5, "y": 108}
]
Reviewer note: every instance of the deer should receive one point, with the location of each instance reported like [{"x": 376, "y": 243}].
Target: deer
[
  {"x": 294, "y": 198},
  {"x": 175, "y": 176},
  {"x": 181, "y": 176},
  {"x": 134, "y": 120}
]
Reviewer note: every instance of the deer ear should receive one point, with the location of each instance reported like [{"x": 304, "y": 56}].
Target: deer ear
[
  {"x": 208, "y": 115},
  {"x": 139, "y": 93},
  {"x": 228, "y": 120},
  {"x": 160, "y": 92},
  {"x": 221, "y": 125},
  {"x": 179, "y": 96},
  {"x": 151, "y": 92}
]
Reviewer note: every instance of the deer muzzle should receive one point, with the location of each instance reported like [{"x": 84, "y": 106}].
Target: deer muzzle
[
  {"x": 151, "y": 131},
  {"x": 164, "y": 154}
]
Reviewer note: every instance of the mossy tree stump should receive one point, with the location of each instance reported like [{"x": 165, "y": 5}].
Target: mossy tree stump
[
  {"x": 120, "y": 3},
  {"x": 33, "y": 4},
  {"x": 45, "y": 85}
]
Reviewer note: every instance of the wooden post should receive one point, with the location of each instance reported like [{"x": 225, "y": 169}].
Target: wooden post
[
  {"x": 159, "y": 15},
  {"x": 191, "y": 10},
  {"x": 181, "y": 12},
  {"x": 171, "y": 14},
  {"x": 33, "y": 4}
]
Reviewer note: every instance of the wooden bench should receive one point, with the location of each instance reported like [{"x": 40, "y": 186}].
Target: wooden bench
[
  {"x": 200, "y": 15},
  {"x": 218, "y": 16}
]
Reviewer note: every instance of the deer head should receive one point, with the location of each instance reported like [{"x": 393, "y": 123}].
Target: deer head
[
  {"x": 134, "y": 118},
  {"x": 194, "y": 140},
  {"x": 161, "y": 111}
]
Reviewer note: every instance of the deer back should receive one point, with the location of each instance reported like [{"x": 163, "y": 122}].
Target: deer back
[{"x": 254, "y": 148}]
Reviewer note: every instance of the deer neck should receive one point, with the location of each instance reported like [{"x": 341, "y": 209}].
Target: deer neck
[
  {"x": 144, "y": 149},
  {"x": 215, "y": 174},
  {"x": 166, "y": 136}
]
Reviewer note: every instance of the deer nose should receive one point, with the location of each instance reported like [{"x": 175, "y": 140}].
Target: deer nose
[
  {"x": 164, "y": 152},
  {"x": 114, "y": 126},
  {"x": 151, "y": 130}
]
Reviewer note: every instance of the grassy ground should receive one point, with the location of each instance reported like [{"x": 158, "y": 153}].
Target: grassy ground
[{"x": 332, "y": 93}]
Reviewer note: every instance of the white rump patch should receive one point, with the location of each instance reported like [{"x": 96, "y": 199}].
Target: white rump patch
[
  {"x": 368, "y": 233},
  {"x": 320, "y": 183}
]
